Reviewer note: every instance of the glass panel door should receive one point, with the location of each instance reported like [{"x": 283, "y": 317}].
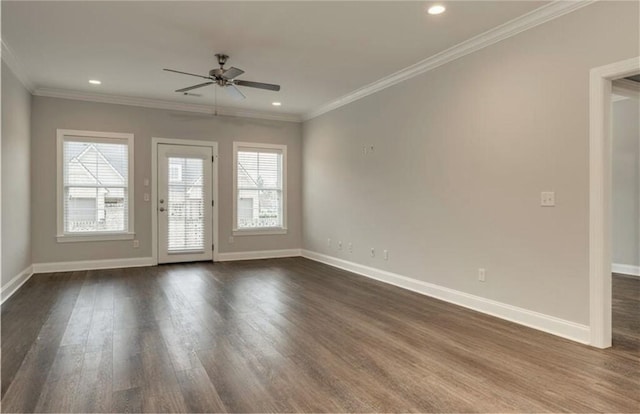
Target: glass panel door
[{"x": 184, "y": 203}]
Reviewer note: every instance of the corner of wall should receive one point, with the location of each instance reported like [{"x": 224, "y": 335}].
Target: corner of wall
[{"x": 17, "y": 256}]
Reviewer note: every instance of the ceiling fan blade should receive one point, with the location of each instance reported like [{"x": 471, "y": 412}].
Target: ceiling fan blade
[
  {"x": 235, "y": 92},
  {"x": 232, "y": 73},
  {"x": 259, "y": 85},
  {"x": 187, "y": 73},
  {"x": 188, "y": 88}
]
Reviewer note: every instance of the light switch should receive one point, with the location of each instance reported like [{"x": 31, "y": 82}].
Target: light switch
[
  {"x": 547, "y": 199},
  {"x": 146, "y": 182},
  {"x": 146, "y": 196}
]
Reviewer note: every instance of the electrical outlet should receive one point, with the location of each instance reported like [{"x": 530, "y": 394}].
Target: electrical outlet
[
  {"x": 350, "y": 247},
  {"x": 547, "y": 199},
  {"x": 481, "y": 275},
  {"x": 339, "y": 245},
  {"x": 231, "y": 239},
  {"x": 373, "y": 252},
  {"x": 136, "y": 244},
  {"x": 386, "y": 255}
]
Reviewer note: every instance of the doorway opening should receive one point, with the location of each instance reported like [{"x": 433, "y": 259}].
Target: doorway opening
[
  {"x": 625, "y": 168},
  {"x": 600, "y": 197}
]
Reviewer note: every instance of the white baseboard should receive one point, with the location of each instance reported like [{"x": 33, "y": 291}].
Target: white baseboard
[
  {"x": 14, "y": 284},
  {"x": 261, "y": 254},
  {"x": 550, "y": 324},
  {"x": 148, "y": 261},
  {"x": 91, "y": 265},
  {"x": 624, "y": 269}
]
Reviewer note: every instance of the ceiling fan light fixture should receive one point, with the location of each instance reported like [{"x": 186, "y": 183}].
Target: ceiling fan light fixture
[
  {"x": 225, "y": 78},
  {"x": 436, "y": 9}
]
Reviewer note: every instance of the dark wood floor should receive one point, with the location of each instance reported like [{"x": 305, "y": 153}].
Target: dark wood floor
[{"x": 291, "y": 335}]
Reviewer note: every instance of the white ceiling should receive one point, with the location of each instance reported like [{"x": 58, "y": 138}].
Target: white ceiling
[{"x": 318, "y": 51}]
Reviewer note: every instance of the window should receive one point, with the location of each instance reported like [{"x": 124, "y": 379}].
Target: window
[
  {"x": 260, "y": 188},
  {"x": 95, "y": 186}
]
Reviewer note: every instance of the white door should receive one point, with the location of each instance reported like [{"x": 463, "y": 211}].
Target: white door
[{"x": 185, "y": 207}]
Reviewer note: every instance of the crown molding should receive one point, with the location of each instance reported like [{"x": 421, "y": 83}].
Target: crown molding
[
  {"x": 10, "y": 58},
  {"x": 511, "y": 28},
  {"x": 162, "y": 104},
  {"x": 16, "y": 67},
  {"x": 527, "y": 21}
]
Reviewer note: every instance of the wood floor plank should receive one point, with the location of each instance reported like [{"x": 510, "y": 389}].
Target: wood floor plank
[
  {"x": 30, "y": 378},
  {"x": 94, "y": 392},
  {"x": 163, "y": 396},
  {"x": 127, "y": 401},
  {"x": 21, "y": 325},
  {"x": 60, "y": 387},
  {"x": 235, "y": 380},
  {"x": 127, "y": 372},
  {"x": 199, "y": 394},
  {"x": 292, "y": 335}
]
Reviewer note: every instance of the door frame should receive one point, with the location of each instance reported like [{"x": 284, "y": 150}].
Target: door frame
[
  {"x": 600, "y": 89},
  {"x": 155, "y": 141}
]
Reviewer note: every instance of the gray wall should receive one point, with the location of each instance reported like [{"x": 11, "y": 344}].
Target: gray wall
[
  {"x": 626, "y": 182},
  {"x": 51, "y": 113},
  {"x": 16, "y": 194},
  {"x": 461, "y": 154}
]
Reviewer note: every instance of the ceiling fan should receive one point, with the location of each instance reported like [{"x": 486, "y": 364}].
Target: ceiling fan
[{"x": 225, "y": 78}]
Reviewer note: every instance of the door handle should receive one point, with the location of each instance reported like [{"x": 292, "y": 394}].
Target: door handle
[{"x": 161, "y": 208}]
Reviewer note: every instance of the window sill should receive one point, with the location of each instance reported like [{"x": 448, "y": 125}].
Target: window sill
[
  {"x": 260, "y": 232},
  {"x": 93, "y": 237}
]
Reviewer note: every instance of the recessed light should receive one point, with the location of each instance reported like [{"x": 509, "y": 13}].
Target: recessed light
[
  {"x": 437, "y": 9},
  {"x": 94, "y": 82},
  {"x": 276, "y": 104}
]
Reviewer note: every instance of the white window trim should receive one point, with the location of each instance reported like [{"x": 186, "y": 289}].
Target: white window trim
[
  {"x": 266, "y": 230},
  {"x": 64, "y": 237}
]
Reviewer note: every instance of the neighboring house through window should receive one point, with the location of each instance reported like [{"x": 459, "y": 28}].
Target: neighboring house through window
[
  {"x": 260, "y": 188},
  {"x": 95, "y": 186},
  {"x": 175, "y": 173}
]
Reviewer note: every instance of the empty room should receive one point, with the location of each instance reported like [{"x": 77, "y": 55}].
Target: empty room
[{"x": 320, "y": 206}]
